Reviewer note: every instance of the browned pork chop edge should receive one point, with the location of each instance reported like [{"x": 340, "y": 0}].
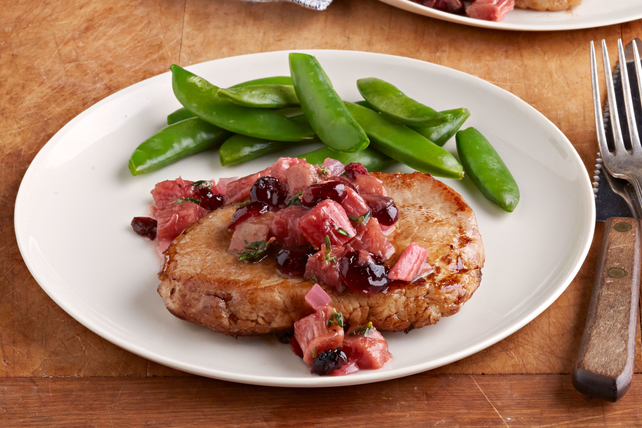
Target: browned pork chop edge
[{"x": 204, "y": 284}]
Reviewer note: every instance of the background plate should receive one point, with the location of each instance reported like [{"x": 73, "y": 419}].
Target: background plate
[
  {"x": 590, "y": 14},
  {"x": 77, "y": 199}
]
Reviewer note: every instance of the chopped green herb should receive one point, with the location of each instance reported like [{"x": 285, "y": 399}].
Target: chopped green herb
[
  {"x": 362, "y": 219},
  {"x": 296, "y": 199},
  {"x": 314, "y": 279},
  {"x": 202, "y": 183},
  {"x": 181, "y": 200},
  {"x": 336, "y": 318},
  {"x": 328, "y": 257},
  {"x": 325, "y": 171},
  {"x": 363, "y": 330},
  {"x": 343, "y": 232},
  {"x": 245, "y": 203},
  {"x": 254, "y": 251},
  {"x": 314, "y": 353}
]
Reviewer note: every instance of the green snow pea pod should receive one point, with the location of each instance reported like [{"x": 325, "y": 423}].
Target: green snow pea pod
[
  {"x": 182, "y": 113},
  {"x": 261, "y": 96},
  {"x": 372, "y": 159},
  {"x": 240, "y": 148},
  {"x": 175, "y": 142},
  {"x": 322, "y": 106},
  {"x": 395, "y": 105},
  {"x": 487, "y": 169},
  {"x": 178, "y": 115},
  {"x": 405, "y": 145},
  {"x": 440, "y": 134},
  {"x": 199, "y": 97}
]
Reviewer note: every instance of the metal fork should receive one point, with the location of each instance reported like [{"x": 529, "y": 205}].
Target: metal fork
[{"x": 621, "y": 163}]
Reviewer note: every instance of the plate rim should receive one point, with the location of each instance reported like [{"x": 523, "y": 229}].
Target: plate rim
[
  {"x": 312, "y": 382},
  {"x": 412, "y": 7}
]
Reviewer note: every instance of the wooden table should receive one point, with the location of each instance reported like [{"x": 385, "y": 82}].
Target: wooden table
[{"x": 59, "y": 58}]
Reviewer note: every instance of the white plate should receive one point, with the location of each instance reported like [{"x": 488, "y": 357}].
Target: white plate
[
  {"x": 77, "y": 199},
  {"x": 589, "y": 14}
]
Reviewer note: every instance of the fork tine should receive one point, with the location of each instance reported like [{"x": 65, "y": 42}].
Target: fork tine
[
  {"x": 638, "y": 68},
  {"x": 628, "y": 100},
  {"x": 610, "y": 90},
  {"x": 597, "y": 106}
]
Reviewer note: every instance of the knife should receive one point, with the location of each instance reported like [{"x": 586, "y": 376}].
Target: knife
[{"x": 604, "y": 366}]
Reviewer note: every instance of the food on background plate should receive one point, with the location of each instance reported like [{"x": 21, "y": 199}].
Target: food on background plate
[{"x": 495, "y": 10}]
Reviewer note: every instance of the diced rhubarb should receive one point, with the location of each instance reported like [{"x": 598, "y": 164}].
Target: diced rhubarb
[
  {"x": 390, "y": 251},
  {"x": 369, "y": 350},
  {"x": 353, "y": 204},
  {"x": 323, "y": 267},
  {"x": 299, "y": 177},
  {"x": 239, "y": 190},
  {"x": 167, "y": 192},
  {"x": 348, "y": 368},
  {"x": 285, "y": 226},
  {"x": 387, "y": 230},
  {"x": 252, "y": 230},
  {"x": 367, "y": 184},
  {"x": 314, "y": 336},
  {"x": 329, "y": 219},
  {"x": 283, "y": 164},
  {"x": 221, "y": 186},
  {"x": 410, "y": 264},
  {"x": 370, "y": 238},
  {"x": 172, "y": 220},
  {"x": 335, "y": 167},
  {"x": 317, "y": 297},
  {"x": 490, "y": 10}
]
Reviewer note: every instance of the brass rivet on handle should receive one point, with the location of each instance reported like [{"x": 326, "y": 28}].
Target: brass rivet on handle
[
  {"x": 616, "y": 272},
  {"x": 622, "y": 226}
]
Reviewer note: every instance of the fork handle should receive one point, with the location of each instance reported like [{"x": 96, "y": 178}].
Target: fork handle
[{"x": 604, "y": 366}]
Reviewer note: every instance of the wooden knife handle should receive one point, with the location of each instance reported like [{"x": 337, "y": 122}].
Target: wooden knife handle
[{"x": 604, "y": 366}]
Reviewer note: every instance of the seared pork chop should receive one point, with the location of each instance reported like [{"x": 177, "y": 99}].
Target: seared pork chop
[
  {"x": 204, "y": 284},
  {"x": 553, "y": 5}
]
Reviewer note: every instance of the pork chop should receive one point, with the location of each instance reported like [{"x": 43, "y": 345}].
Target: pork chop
[{"x": 204, "y": 284}]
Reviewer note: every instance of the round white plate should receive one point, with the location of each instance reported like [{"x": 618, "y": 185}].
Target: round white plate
[
  {"x": 77, "y": 199},
  {"x": 589, "y": 14}
]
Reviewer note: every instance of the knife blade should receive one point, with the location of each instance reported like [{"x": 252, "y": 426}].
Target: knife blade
[{"x": 604, "y": 366}]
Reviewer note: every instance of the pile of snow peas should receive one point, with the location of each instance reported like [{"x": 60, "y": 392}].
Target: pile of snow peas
[{"x": 271, "y": 114}]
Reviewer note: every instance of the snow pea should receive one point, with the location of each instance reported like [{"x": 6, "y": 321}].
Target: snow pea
[
  {"x": 322, "y": 106},
  {"x": 261, "y": 96},
  {"x": 199, "y": 97},
  {"x": 487, "y": 169},
  {"x": 395, "y": 105},
  {"x": 440, "y": 134},
  {"x": 182, "y": 113},
  {"x": 405, "y": 145},
  {"x": 240, "y": 148},
  {"x": 175, "y": 142},
  {"x": 372, "y": 159},
  {"x": 178, "y": 115}
]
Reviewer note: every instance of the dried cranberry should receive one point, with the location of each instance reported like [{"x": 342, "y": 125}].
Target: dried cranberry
[
  {"x": 209, "y": 200},
  {"x": 291, "y": 261},
  {"x": 383, "y": 208},
  {"x": 327, "y": 190},
  {"x": 245, "y": 212},
  {"x": 270, "y": 191},
  {"x": 353, "y": 169},
  {"x": 296, "y": 348},
  {"x": 328, "y": 361},
  {"x": 145, "y": 227},
  {"x": 362, "y": 271}
]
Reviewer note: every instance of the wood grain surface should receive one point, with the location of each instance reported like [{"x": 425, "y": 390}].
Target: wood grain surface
[{"x": 59, "y": 58}]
